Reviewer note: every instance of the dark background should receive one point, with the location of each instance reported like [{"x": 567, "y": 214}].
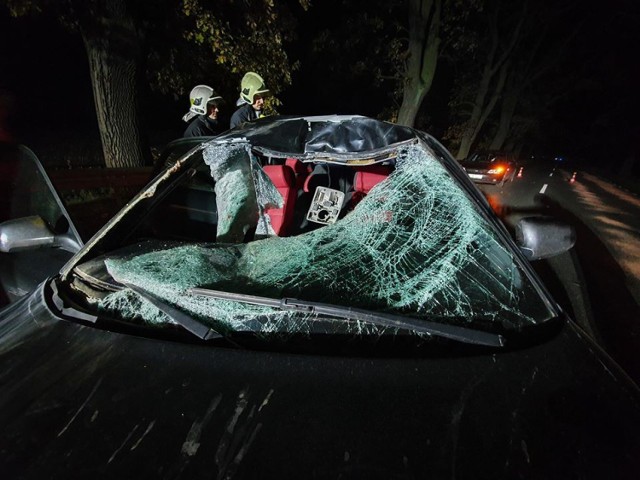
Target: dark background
[{"x": 44, "y": 69}]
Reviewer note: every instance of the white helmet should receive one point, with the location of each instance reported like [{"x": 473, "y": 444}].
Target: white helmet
[
  {"x": 252, "y": 84},
  {"x": 199, "y": 97}
]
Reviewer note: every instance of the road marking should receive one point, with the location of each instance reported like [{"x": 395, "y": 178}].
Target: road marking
[{"x": 544, "y": 187}]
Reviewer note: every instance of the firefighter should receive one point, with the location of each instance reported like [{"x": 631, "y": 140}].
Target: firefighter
[
  {"x": 252, "y": 95},
  {"x": 205, "y": 106}
]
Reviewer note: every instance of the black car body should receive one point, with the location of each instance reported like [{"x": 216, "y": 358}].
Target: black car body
[
  {"x": 392, "y": 331},
  {"x": 490, "y": 168}
]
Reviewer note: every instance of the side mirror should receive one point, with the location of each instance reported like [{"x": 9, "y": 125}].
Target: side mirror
[
  {"x": 29, "y": 233},
  {"x": 543, "y": 237}
]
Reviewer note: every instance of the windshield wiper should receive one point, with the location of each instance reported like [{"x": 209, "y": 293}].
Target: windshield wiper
[
  {"x": 194, "y": 326},
  {"x": 460, "y": 334}
]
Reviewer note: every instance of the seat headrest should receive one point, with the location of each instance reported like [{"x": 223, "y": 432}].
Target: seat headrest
[
  {"x": 280, "y": 175},
  {"x": 368, "y": 177},
  {"x": 297, "y": 166}
]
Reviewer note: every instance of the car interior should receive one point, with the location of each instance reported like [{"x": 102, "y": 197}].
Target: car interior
[{"x": 189, "y": 211}]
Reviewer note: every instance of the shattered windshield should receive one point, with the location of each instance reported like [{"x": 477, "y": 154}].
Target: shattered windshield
[{"x": 410, "y": 242}]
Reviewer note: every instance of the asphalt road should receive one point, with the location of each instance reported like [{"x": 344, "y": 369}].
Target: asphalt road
[{"x": 598, "y": 281}]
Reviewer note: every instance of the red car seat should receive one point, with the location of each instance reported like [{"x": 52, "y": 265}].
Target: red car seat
[
  {"x": 366, "y": 178},
  {"x": 284, "y": 180}
]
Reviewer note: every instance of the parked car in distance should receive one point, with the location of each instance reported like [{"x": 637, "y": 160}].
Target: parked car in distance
[
  {"x": 491, "y": 168},
  {"x": 309, "y": 297}
]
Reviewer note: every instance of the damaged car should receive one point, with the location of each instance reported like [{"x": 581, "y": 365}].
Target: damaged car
[{"x": 310, "y": 297}]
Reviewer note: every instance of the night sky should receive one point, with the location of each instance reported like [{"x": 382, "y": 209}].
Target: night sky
[{"x": 45, "y": 70}]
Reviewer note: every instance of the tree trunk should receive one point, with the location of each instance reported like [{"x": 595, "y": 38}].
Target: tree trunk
[
  {"x": 468, "y": 136},
  {"x": 507, "y": 111},
  {"x": 113, "y": 50},
  {"x": 494, "y": 63},
  {"x": 481, "y": 110},
  {"x": 424, "y": 42}
]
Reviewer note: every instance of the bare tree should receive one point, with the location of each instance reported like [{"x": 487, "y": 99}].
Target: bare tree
[
  {"x": 379, "y": 46},
  {"x": 545, "y": 47},
  {"x": 425, "y": 17},
  {"x": 495, "y": 68}
]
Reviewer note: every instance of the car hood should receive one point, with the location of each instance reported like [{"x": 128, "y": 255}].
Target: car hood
[{"x": 83, "y": 402}]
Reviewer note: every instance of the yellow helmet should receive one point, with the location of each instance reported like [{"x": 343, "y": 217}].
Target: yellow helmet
[{"x": 252, "y": 85}]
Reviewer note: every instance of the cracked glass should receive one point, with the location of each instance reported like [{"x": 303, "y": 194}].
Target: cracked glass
[{"x": 416, "y": 244}]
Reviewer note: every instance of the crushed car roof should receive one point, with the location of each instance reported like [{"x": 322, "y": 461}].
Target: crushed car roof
[{"x": 338, "y": 136}]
